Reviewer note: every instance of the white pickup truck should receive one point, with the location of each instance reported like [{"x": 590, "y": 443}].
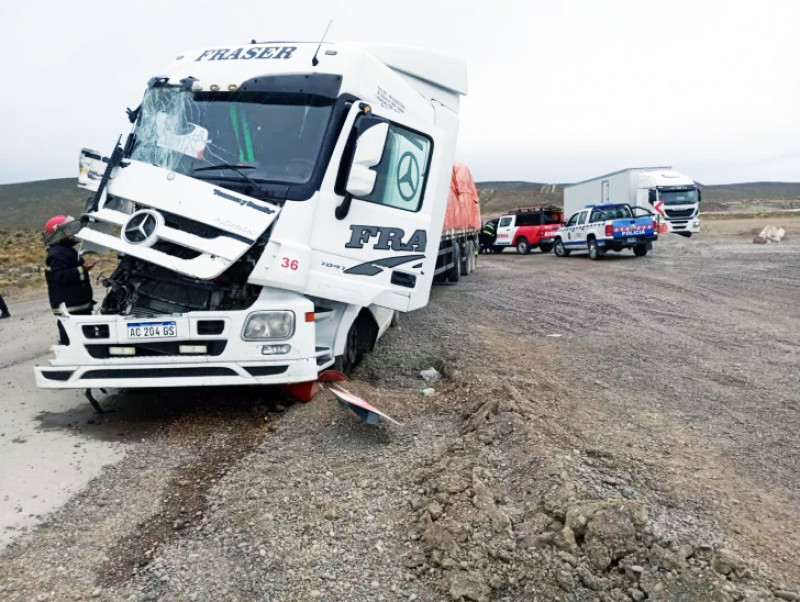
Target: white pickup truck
[{"x": 601, "y": 228}]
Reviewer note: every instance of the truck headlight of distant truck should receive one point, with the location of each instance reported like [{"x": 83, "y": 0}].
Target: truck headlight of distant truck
[{"x": 268, "y": 325}]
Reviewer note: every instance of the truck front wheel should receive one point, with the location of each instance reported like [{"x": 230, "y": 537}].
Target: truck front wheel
[
  {"x": 351, "y": 356},
  {"x": 640, "y": 250},
  {"x": 560, "y": 250},
  {"x": 594, "y": 249},
  {"x": 523, "y": 246}
]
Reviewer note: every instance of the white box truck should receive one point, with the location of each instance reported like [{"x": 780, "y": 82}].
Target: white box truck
[
  {"x": 661, "y": 190},
  {"x": 272, "y": 207}
]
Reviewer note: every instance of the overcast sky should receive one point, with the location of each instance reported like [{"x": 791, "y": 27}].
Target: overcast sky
[{"x": 558, "y": 91}]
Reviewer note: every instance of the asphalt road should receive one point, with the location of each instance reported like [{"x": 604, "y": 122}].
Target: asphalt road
[{"x": 43, "y": 460}]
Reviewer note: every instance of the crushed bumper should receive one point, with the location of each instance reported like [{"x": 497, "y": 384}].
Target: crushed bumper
[{"x": 198, "y": 349}]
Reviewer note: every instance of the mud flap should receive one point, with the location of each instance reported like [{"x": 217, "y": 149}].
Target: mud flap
[{"x": 302, "y": 392}]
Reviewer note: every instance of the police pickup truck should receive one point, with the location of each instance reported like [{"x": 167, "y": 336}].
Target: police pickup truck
[{"x": 601, "y": 228}]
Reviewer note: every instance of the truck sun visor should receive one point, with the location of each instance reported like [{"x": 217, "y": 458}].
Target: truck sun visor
[{"x": 317, "y": 84}]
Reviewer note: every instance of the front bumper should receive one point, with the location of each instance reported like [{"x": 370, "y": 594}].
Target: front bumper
[
  {"x": 207, "y": 350},
  {"x": 684, "y": 225}
]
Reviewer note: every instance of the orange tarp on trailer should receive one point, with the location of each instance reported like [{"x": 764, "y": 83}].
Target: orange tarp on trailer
[{"x": 463, "y": 205}]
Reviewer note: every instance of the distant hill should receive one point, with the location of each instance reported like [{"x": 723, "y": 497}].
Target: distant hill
[
  {"x": 500, "y": 197},
  {"x": 28, "y": 205}
]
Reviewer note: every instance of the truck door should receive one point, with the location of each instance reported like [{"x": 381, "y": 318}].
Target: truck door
[
  {"x": 373, "y": 242},
  {"x": 505, "y": 230}
]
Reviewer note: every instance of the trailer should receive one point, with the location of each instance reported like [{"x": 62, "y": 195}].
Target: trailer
[
  {"x": 272, "y": 208},
  {"x": 672, "y": 195},
  {"x": 458, "y": 250}
]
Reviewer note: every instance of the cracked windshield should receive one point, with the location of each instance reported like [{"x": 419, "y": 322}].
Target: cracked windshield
[{"x": 258, "y": 136}]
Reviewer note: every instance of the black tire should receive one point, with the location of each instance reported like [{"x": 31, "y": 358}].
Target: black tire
[
  {"x": 559, "y": 248},
  {"x": 523, "y": 246},
  {"x": 454, "y": 273},
  {"x": 640, "y": 250},
  {"x": 466, "y": 261},
  {"x": 594, "y": 249},
  {"x": 545, "y": 247},
  {"x": 351, "y": 356}
]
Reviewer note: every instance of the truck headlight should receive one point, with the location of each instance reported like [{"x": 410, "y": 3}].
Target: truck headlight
[{"x": 264, "y": 325}]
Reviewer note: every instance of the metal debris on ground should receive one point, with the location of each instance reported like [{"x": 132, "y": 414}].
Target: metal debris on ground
[{"x": 360, "y": 407}]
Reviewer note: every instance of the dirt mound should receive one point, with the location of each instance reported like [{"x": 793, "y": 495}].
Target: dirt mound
[{"x": 505, "y": 514}]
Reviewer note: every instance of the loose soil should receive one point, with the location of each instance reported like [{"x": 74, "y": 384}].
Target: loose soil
[{"x": 621, "y": 429}]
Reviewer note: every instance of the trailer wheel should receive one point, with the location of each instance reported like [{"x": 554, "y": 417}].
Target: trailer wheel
[
  {"x": 454, "y": 273},
  {"x": 640, "y": 250},
  {"x": 560, "y": 250},
  {"x": 469, "y": 257},
  {"x": 594, "y": 249},
  {"x": 523, "y": 246},
  {"x": 545, "y": 247},
  {"x": 473, "y": 258}
]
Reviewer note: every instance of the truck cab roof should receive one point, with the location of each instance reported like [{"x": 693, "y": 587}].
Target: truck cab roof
[{"x": 432, "y": 75}]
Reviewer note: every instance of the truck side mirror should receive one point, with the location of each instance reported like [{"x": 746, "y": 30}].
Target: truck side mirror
[
  {"x": 370, "y": 141},
  {"x": 651, "y": 196},
  {"x": 699, "y": 195},
  {"x": 369, "y": 149}
]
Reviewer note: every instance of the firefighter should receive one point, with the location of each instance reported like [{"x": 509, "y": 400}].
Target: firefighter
[
  {"x": 487, "y": 235},
  {"x": 67, "y": 273}
]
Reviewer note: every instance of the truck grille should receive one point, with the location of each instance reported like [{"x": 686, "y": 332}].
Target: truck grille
[
  {"x": 679, "y": 213},
  {"x": 185, "y": 224}
]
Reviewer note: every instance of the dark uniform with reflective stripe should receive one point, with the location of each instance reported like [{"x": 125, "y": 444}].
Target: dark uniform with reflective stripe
[{"x": 67, "y": 281}]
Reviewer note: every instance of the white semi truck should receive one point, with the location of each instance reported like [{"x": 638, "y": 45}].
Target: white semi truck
[
  {"x": 272, "y": 207},
  {"x": 668, "y": 193}
]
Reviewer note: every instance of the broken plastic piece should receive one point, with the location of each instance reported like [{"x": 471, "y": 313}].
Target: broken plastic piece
[
  {"x": 360, "y": 407},
  {"x": 302, "y": 392}
]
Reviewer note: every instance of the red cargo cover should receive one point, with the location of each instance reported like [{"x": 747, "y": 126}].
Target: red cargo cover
[{"x": 463, "y": 205}]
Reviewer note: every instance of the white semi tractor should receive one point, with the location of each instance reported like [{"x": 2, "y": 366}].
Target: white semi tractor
[
  {"x": 272, "y": 207},
  {"x": 661, "y": 190}
]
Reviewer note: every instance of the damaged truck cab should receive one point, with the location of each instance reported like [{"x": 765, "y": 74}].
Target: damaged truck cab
[{"x": 272, "y": 207}]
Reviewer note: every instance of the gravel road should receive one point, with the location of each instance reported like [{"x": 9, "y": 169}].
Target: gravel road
[{"x": 616, "y": 430}]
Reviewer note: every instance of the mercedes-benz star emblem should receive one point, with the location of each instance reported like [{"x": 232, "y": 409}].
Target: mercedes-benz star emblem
[
  {"x": 408, "y": 176},
  {"x": 140, "y": 227}
]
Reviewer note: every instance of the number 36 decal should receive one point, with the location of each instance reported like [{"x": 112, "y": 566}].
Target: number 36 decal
[{"x": 292, "y": 264}]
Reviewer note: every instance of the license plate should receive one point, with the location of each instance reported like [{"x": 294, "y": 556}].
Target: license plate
[
  {"x": 151, "y": 330},
  {"x": 633, "y": 239}
]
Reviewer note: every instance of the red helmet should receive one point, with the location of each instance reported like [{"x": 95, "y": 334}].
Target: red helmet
[{"x": 55, "y": 222}]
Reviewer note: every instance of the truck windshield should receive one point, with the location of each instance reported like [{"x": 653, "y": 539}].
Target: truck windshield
[
  {"x": 678, "y": 197},
  {"x": 252, "y": 135}
]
